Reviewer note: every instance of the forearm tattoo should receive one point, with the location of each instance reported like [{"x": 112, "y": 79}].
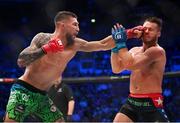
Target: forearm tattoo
[
  {"x": 34, "y": 51},
  {"x": 26, "y": 58}
]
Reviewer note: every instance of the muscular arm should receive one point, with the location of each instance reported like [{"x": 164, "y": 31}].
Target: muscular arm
[
  {"x": 104, "y": 44},
  {"x": 33, "y": 52},
  {"x": 116, "y": 63},
  {"x": 108, "y": 42},
  {"x": 140, "y": 60}
]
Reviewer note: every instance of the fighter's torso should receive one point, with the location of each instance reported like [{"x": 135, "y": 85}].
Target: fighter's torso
[
  {"x": 148, "y": 79},
  {"x": 42, "y": 72}
]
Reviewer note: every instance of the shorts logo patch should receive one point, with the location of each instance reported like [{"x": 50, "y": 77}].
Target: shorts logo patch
[
  {"x": 53, "y": 108},
  {"x": 159, "y": 101},
  {"x": 60, "y": 90},
  {"x": 25, "y": 97}
]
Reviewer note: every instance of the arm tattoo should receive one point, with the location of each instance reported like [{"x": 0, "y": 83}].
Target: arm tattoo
[
  {"x": 34, "y": 51},
  {"x": 26, "y": 58}
]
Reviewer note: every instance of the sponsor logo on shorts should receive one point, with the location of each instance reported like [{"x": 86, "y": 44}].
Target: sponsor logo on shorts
[
  {"x": 25, "y": 97},
  {"x": 60, "y": 90},
  {"x": 53, "y": 108}
]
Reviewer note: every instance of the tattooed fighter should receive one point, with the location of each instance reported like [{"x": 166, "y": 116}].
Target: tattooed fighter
[{"x": 45, "y": 60}]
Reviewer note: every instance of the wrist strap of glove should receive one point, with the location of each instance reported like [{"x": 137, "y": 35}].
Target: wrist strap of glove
[
  {"x": 118, "y": 47},
  {"x": 45, "y": 48}
]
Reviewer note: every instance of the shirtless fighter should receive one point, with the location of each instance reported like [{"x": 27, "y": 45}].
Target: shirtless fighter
[
  {"x": 45, "y": 60},
  {"x": 147, "y": 64}
]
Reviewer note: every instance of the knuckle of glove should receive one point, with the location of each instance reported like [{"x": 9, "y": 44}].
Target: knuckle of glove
[
  {"x": 57, "y": 45},
  {"x": 135, "y": 32},
  {"x": 59, "y": 42},
  {"x": 140, "y": 28},
  {"x": 53, "y": 47},
  {"x": 52, "y": 41},
  {"x": 119, "y": 35},
  {"x": 60, "y": 46}
]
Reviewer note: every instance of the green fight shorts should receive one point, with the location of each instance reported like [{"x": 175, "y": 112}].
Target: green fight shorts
[{"x": 26, "y": 100}]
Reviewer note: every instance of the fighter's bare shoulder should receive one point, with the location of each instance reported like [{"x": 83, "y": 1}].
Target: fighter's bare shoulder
[
  {"x": 41, "y": 39},
  {"x": 156, "y": 53},
  {"x": 80, "y": 42},
  {"x": 156, "y": 50},
  {"x": 135, "y": 49}
]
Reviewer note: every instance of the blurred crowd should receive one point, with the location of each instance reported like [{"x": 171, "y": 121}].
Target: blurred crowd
[{"x": 22, "y": 19}]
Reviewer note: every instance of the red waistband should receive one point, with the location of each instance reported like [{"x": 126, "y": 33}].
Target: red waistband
[
  {"x": 150, "y": 95},
  {"x": 157, "y": 98}
]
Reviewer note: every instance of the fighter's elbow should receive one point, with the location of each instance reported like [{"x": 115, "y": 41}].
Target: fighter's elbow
[
  {"x": 116, "y": 71},
  {"x": 128, "y": 65},
  {"x": 106, "y": 46}
]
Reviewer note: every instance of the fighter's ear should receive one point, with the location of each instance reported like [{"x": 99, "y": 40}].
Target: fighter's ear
[
  {"x": 62, "y": 24},
  {"x": 159, "y": 33},
  {"x": 59, "y": 24}
]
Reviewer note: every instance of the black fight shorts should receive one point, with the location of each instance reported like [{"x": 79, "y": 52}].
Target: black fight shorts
[{"x": 145, "y": 108}]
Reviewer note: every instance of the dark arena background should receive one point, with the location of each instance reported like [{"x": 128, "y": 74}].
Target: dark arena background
[{"x": 98, "y": 92}]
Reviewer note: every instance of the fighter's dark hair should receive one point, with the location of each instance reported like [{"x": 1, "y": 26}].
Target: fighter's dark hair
[
  {"x": 156, "y": 20},
  {"x": 63, "y": 15}
]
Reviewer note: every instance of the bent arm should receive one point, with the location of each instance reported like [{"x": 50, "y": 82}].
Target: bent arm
[
  {"x": 116, "y": 63},
  {"x": 102, "y": 45},
  {"x": 31, "y": 53},
  {"x": 140, "y": 60}
]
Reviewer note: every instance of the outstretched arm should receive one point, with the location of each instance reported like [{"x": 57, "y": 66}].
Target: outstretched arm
[
  {"x": 101, "y": 45},
  {"x": 108, "y": 42}
]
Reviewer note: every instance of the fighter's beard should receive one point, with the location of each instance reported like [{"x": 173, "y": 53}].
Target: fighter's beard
[
  {"x": 150, "y": 43},
  {"x": 70, "y": 40}
]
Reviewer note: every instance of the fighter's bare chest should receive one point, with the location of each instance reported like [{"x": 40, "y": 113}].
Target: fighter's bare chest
[
  {"x": 60, "y": 57},
  {"x": 137, "y": 52},
  {"x": 145, "y": 69}
]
